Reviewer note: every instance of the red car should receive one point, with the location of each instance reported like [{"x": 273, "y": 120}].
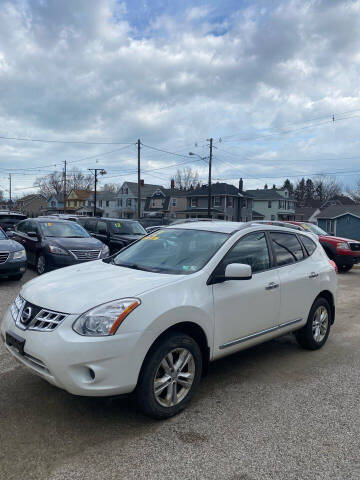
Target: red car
[{"x": 344, "y": 252}]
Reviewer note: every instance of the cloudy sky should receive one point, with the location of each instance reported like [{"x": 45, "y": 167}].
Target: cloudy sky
[{"x": 275, "y": 83}]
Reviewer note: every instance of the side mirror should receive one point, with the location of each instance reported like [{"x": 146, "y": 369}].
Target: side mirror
[
  {"x": 10, "y": 233},
  {"x": 32, "y": 234},
  {"x": 238, "y": 271}
]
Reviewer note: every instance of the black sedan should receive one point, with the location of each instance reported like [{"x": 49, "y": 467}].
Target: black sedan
[
  {"x": 114, "y": 232},
  {"x": 12, "y": 258},
  {"x": 52, "y": 243}
]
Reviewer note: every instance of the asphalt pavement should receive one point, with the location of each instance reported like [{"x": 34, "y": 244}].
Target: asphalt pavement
[{"x": 272, "y": 412}]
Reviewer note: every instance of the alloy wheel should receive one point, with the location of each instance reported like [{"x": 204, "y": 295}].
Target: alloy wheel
[
  {"x": 174, "y": 377},
  {"x": 320, "y": 324}
]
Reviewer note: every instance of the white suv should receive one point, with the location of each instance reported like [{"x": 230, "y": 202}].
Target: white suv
[{"x": 150, "y": 318}]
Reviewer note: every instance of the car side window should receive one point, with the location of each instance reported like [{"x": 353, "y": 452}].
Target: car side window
[
  {"x": 22, "y": 227},
  {"x": 287, "y": 248},
  {"x": 32, "y": 227},
  {"x": 309, "y": 245},
  {"x": 101, "y": 228},
  {"x": 90, "y": 226},
  {"x": 251, "y": 250}
]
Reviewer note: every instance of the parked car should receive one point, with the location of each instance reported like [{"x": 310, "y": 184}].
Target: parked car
[
  {"x": 12, "y": 258},
  {"x": 52, "y": 243},
  {"x": 9, "y": 219},
  {"x": 114, "y": 232},
  {"x": 149, "y": 319},
  {"x": 343, "y": 251}
]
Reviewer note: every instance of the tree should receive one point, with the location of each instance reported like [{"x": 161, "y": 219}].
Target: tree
[
  {"x": 309, "y": 191},
  {"x": 186, "y": 178},
  {"x": 54, "y": 182},
  {"x": 354, "y": 192},
  {"x": 300, "y": 192},
  {"x": 1, "y": 195},
  {"x": 327, "y": 187},
  {"x": 110, "y": 187},
  {"x": 289, "y": 186}
]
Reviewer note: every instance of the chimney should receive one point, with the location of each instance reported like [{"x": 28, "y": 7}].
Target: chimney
[
  {"x": 141, "y": 182},
  {"x": 172, "y": 184},
  {"x": 274, "y": 186},
  {"x": 241, "y": 185}
]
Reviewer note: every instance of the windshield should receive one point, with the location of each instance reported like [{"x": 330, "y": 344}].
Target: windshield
[
  {"x": 178, "y": 251},
  {"x": 133, "y": 228},
  {"x": 2, "y": 235},
  {"x": 63, "y": 229},
  {"x": 314, "y": 229}
]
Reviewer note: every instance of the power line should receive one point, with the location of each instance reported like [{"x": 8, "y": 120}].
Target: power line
[
  {"x": 81, "y": 142},
  {"x": 304, "y": 174}
]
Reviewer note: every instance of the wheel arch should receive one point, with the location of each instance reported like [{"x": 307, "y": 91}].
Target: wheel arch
[
  {"x": 192, "y": 329},
  {"x": 329, "y": 297}
]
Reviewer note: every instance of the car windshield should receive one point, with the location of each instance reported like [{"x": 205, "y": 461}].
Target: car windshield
[
  {"x": 133, "y": 228},
  {"x": 63, "y": 229},
  {"x": 178, "y": 251},
  {"x": 2, "y": 235},
  {"x": 314, "y": 229}
]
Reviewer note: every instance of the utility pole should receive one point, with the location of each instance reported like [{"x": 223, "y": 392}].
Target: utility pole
[
  {"x": 102, "y": 172},
  {"x": 139, "y": 181},
  {"x": 10, "y": 201},
  {"x": 209, "y": 187},
  {"x": 65, "y": 186}
]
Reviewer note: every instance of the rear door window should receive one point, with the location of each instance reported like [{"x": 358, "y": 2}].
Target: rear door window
[
  {"x": 287, "y": 248},
  {"x": 101, "y": 228},
  {"x": 90, "y": 226}
]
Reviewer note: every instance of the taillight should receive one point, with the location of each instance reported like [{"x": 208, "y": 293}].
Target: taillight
[{"x": 333, "y": 264}]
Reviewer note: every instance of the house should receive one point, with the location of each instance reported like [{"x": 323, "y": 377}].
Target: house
[
  {"x": 306, "y": 214},
  {"x": 55, "y": 203},
  {"x": 127, "y": 198},
  {"x": 272, "y": 204},
  {"x": 311, "y": 211},
  {"x": 227, "y": 202},
  {"x": 77, "y": 200},
  {"x": 166, "y": 203},
  {"x": 341, "y": 220},
  {"x": 32, "y": 205},
  {"x": 106, "y": 203}
]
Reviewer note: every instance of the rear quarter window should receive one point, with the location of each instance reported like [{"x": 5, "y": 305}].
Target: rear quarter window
[
  {"x": 287, "y": 248},
  {"x": 309, "y": 245}
]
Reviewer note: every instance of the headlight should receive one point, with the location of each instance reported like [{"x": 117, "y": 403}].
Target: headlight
[
  {"x": 19, "y": 255},
  {"x": 343, "y": 246},
  {"x": 57, "y": 250},
  {"x": 105, "y": 319},
  {"x": 105, "y": 250}
]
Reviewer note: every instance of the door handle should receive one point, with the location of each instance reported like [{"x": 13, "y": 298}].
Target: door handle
[
  {"x": 313, "y": 275},
  {"x": 271, "y": 286}
]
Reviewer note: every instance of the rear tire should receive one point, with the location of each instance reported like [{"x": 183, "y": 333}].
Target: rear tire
[
  {"x": 170, "y": 376},
  {"x": 316, "y": 331},
  {"x": 344, "y": 268}
]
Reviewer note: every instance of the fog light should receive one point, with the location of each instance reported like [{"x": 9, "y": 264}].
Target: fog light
[{"x": 92, "y": 374}]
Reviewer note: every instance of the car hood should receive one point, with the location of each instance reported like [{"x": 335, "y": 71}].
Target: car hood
[
  {"x": 75, "y": 243},
  {"x": 331, "y": 238},
  {"x": 78, "y": 288},
  {"x": 8, "y": 245}
]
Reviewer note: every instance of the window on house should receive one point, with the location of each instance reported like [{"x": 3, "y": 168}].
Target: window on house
[
  {"x": 194, "y": 202},
  {"x": 217, "y": 201},
  {"x": 119, "y": 202},
  {"x": 272, "y": 217},
  {"x": 53, "y": 204},
  {"x": 107, "y": 203},
  {"x": 229, "y": 201},
  {"x": 269, "y": 204},
  {"x": 128, "y": 202},
  {"x": 126, "y": 191},
  {"x": 75, "y": 203},
  {"x": 173, "y": 202}
]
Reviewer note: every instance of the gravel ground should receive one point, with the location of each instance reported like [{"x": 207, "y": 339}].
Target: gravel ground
[{"x": 272, "y": 412}]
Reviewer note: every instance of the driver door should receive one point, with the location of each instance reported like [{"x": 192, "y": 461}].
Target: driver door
[{"x": 246, "y": 308}]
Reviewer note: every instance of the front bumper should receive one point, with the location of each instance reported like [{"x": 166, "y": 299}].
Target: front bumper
[
  {"x": 13, "y": 267},
  {"x": 351, "y": 258},
  {"x": 89, "y": 366}
]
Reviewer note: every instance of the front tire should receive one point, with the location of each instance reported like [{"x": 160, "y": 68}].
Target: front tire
[
  {"x": 41, "y": 266},
  {"x": 344, "y": 268},
  {"x": 170, "y": 376},
  {"x": 316, "y": 331}
]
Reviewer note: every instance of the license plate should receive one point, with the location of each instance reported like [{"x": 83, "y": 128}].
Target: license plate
[{"x": 15, "y": 341}]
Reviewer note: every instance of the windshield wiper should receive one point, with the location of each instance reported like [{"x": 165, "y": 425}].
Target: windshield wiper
[{"x": 136, "y": 267}]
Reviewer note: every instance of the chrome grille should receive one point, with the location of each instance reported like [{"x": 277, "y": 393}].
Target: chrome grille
[
  {"x": 86, "y": 254},
  {"x": 355, "y": 246},
  {"x": 31, "y": 317},
  {"x": 4, "y": 256}
]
